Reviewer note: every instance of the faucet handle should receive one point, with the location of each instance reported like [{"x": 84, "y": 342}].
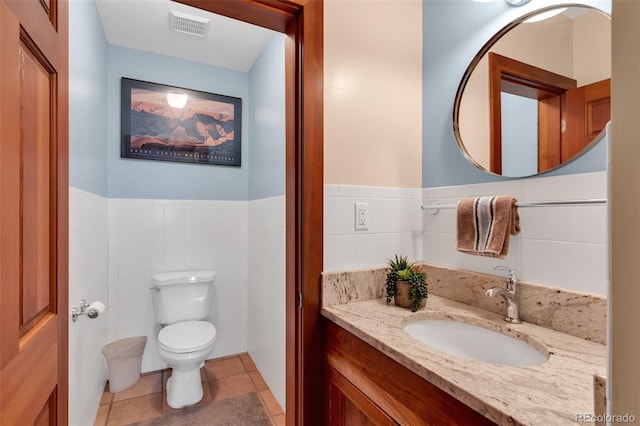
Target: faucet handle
[{"x": 511, "y": 271}]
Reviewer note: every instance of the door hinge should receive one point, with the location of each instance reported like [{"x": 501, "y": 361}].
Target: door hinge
[
  {"x": 300, "y": 300},
  {"x": 563, "y": 125}
]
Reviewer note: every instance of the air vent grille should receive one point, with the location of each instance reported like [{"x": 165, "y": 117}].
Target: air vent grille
[{"x": 189, "y": 24}]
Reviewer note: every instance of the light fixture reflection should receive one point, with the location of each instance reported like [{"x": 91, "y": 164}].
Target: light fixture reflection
[
  {"x": 177, "y": 100},
  {"x": 545, "y": 15},
  {"x": 517, "y": 2}
]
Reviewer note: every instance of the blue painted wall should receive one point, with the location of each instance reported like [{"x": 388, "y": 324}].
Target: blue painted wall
[
  {"x": 87, "y": 99},
  {"x": 267, "y": 122},
  {"x": 519, "y": 135},
  {"x": 129, "y": 178},
  {"x": 453, "y": 31}
]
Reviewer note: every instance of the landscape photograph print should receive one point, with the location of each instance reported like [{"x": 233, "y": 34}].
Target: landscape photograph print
[{"x": 161, "y": 122}]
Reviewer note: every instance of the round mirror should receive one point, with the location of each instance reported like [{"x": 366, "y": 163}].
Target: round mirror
[{"x": 537, "y": 95}]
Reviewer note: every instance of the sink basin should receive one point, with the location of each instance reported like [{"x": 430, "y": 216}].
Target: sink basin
[{"x": 474, "y": 342}]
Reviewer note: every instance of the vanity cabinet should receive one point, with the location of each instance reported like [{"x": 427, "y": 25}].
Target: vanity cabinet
[{"x": 365, "y": 387}]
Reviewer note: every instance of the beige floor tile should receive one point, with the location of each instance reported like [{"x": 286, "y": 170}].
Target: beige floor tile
[
  {"x": 270, "y": 402},
  {"x": 224, "y": 367},
  {"x": 228, "y": 387},
  {"x": 258, "y": 381},
  {"x": 135, "y": 409},
  {"x": 206, "y": 397},
  {"x": 148, "y": 384},
  {"x": 101, "y": 417},
  {"x": 279, "y": 420},
  {"x": 247, "y": 362}
]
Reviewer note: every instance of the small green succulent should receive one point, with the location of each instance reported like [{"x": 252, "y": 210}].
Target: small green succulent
[{"x": 402, "y": 269}]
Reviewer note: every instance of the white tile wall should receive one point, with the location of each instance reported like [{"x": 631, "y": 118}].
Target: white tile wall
[
  {"x": 395, "y": 226},
  {"x": 148, "y": 236},
  {"x": 558, "y": 246},
  {"x": 266, "y": 295},
  {"x": 88, "y": 248},
  {"x": 115, "y": 246}
]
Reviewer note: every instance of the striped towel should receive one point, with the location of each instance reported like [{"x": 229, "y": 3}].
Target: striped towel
[{"x": 484, "y": 225}]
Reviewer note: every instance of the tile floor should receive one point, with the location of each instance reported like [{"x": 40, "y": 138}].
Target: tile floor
[{"x": 222, "y": 378}]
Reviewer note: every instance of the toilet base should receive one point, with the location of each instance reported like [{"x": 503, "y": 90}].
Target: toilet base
[{"x": 184, "y": 388}]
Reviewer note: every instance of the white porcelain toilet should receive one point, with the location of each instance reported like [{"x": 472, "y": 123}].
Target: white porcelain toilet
[{"x": 181, "y": 302}]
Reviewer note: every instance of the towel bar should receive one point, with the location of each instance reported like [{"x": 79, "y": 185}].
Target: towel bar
[{"x": 434, "y": 206}]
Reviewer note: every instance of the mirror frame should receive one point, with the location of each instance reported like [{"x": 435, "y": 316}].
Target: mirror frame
[{"x": 484, "y": 50}]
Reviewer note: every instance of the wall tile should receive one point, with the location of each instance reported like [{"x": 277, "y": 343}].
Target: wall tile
[
  {"x": 265, "y": 291},
  {"x": 174, "y": 215},
  {"x": 152, "y": 214},
  {"x": 88, "y": 279},
  {"x": 339, "y": 215},
  {"x": 590, "y": 224},
  {"x": 547, "y": 223},
  {"x": 546, "y": 250},
  {"x": 168, "y": 235},
  {"x": 339, "y": 252}
]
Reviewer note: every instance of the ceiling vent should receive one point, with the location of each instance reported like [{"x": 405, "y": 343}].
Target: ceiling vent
[{"x": 188, "y": 24}]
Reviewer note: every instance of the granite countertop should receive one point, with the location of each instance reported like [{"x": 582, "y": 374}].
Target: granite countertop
[{"x": 552, "y": 393}]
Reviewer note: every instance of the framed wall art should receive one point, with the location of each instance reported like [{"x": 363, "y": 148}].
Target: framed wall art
[{"x": 167, "y": 123}]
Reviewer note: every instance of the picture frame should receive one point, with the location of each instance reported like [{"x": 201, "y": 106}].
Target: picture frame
[{"x": 168, "y": 123}]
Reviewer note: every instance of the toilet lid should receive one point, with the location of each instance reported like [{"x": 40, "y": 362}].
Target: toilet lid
[{"x": 187, "y": 336}]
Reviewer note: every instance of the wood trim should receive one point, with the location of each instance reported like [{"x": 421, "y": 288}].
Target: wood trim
[
  {"x": 403, "y": 395},
  {"x": 60, "y": 209},
  {"x": 302, "y": 22},
  {"x": 292, "y": 350},
  {"x": 273, "y": 14},
  {"x": 518, "y": 78},
  {"x": 9, "y": 180},
  {"x": 495, "y": 118},
  {"x": 310, "y": 211}
]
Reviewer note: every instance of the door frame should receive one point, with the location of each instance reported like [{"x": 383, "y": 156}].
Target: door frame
[{"x": 302, "y": 22}]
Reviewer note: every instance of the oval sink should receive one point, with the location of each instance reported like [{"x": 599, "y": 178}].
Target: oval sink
[{"x": 474, "y": 342}]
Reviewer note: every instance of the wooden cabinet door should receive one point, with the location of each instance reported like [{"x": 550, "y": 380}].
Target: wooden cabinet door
[
  {"x": 33, "y": 212},
  {"x": 350, "y": 407}
]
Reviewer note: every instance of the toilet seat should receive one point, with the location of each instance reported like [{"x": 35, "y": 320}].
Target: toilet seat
[{"x": 187, "y": 336}]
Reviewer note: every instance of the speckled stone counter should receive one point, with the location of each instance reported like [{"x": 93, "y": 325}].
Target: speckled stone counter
[
  {"x": 579, "y": 314},
  {"x": 552, "y": 393}
]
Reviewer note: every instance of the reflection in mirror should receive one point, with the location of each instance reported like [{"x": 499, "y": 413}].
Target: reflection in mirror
[{"x": 536, "y": 96}]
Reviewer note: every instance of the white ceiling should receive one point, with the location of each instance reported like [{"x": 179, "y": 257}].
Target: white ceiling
[{"x": 144, "y": 25}]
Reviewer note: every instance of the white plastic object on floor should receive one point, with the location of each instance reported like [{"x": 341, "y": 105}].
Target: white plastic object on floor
[{"x": 124, "y": 358}]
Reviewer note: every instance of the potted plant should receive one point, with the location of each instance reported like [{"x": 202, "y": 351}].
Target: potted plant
[{"x": 406, "y": 284}]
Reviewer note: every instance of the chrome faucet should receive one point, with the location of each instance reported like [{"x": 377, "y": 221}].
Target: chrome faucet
[{"x": 511, "y": 295}]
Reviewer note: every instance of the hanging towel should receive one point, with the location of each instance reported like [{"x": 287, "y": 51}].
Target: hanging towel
[{"x": 485, "y": 224}]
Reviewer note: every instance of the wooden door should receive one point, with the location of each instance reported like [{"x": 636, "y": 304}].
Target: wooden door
[
  {"x": 33, "y": 212},
  {"x": 567, "y": 123},
  {"x": 587, "y": 110}
]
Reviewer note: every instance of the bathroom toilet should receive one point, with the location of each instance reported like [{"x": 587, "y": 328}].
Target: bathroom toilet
[{"x": 181, "y": 303}]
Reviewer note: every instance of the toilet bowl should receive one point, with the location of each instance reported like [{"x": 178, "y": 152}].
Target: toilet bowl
[
  {"x": 185, "y": 346},
  {"x": 181, "y": 302}
]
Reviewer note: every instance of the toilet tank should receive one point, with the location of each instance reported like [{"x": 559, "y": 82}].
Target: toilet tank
[{"x": 182, "y": 296}]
